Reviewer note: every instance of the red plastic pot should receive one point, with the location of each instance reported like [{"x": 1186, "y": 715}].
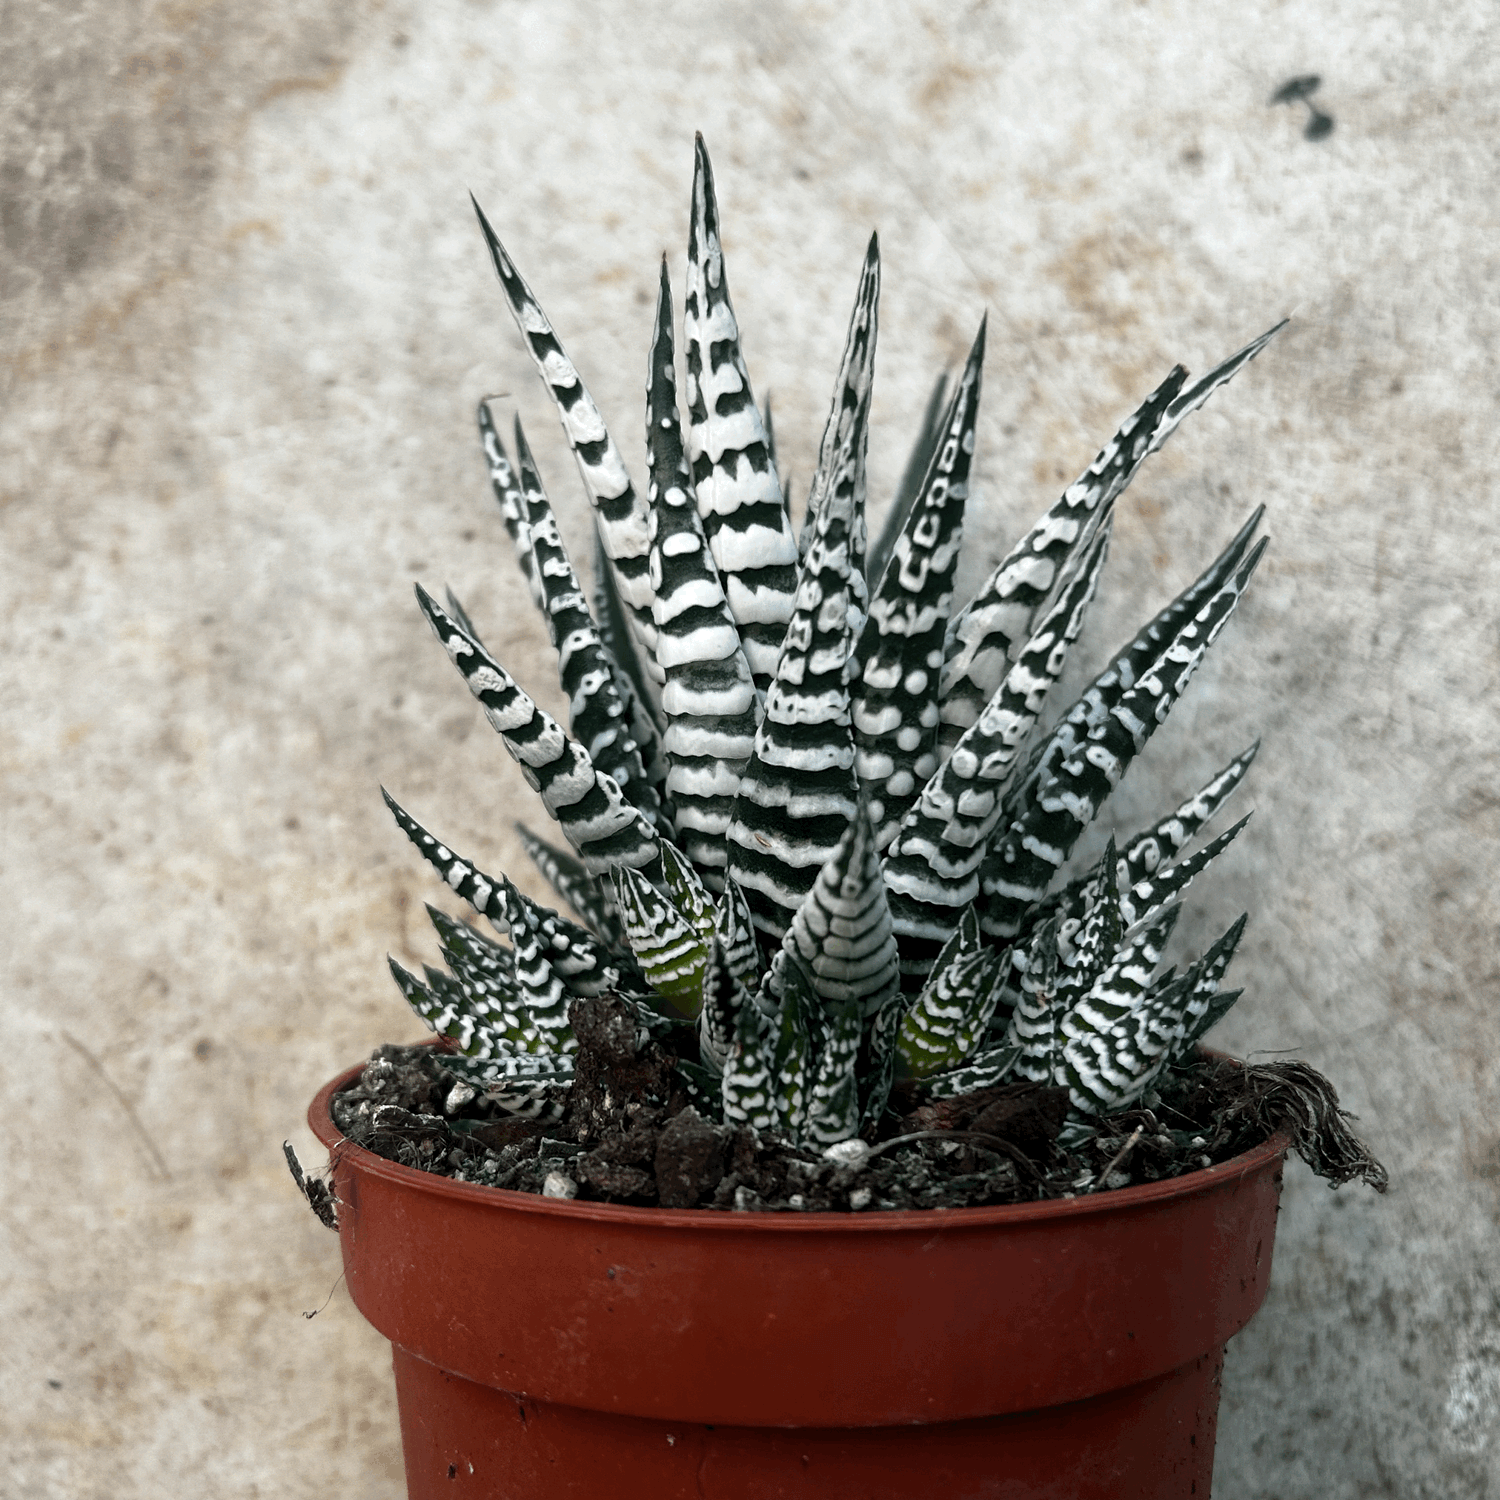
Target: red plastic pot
[{"x": 548, "y": 1348}]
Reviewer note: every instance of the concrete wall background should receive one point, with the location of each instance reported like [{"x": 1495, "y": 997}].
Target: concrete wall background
[{"x": 247, "y": 317}]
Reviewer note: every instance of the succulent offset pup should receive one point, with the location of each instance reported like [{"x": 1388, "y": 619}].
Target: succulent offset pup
[{"x": 815, "y": 826}]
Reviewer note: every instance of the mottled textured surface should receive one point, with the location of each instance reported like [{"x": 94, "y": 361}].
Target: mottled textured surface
[{"x": 247, "y": 317}]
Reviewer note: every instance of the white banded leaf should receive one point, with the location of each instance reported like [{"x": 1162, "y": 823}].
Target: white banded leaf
[
  {"x": 833, "y": 1112},
  {"x": 846, "y": 434},
  {"x": 588, "y": 804},
  {"x": 1085, "y": 944},
  {"x": 485, "y": 972},
  {"x": 507, "y": 490},
  {"x": 598, "y": 715},
  {"x": 585, "y": 893},
  {"x": 982, "y": 1071},
  {"x": 1035, "y": 1023},
  {"x": 620, "y": 514},
  {"x": 709, "y": 698},
  {"x": 489, "y": 962},
  {"x": 1202, "y": 1003},
  {"x": 929, "y": 434},
  {"x": 447, "y": 1012},
  {"x": 900, "y": 649},
  {"x": 1118, "y": 988},
  {"x": 581, "y": 962},
  {"x": 670, "y": 950},
  {"x": 985, "y": 633},
  {"x": 639, "y": 687},
  {"x": 687, "y": 892},
  {"x": 1145, "y": 852},
  {"x": 724, "y": 996},
  {"x": 747, "y": 1087},
  {"x": 799, "y": 791},
  {"x": 842, "y": 931},
  {"x": 539, "y": 985},
  {"x": 949, "y": 1015},
  {"x": 791, "y": 1055},
  {"x": 1124, "y": 670},
  {"x": 932, "y": 867},
  {"x": 1219, "y": 1006},
  {"x": 521, "y": 1086},
  {"x": 1151, "y": 892},
  {"x": 1169, "y": 836},
  {"x": 1110, "y": 1070},
  {"x": 735, "y": 930},
  {"x": 734, "y": 476},
  {"x": 1038, "y": 843}
]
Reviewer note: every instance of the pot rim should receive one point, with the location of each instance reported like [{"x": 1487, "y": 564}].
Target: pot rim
[{"x": 1204, "y": 1180}]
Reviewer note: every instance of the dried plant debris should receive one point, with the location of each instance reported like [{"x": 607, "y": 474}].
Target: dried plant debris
[
  {"x": 632, "y": 1127},
  {"x": 314, "y": 1189}
]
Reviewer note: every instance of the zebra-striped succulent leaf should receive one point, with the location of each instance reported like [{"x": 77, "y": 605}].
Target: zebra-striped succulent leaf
[
  {"x": 900, "y": 649},
  {"x": 949, "y": 1016},
  {"x": 448, "y": 1014},
  {"x": 842, "y": 931},
  {"x": 747, "y": 1086},
  {"x": 709, "y": 698},
  {"x": 724, "y": 996},
  {"x": 735, "y": 930},
  {"x": 928, "y": 437},
  {"x": 733, "y": 470},
  {"x": 670, "y": 947},
  {"x": 583, "y": 892},
  {"x": 819, "y": 836},
  {"x": 833, "y": 1112},
  {"x": 524, "y": 1087},
  {"x": 1108, "y": 1069},
  {"x": 791, "y": 1054},
  {"x": 588, "y": 804}
]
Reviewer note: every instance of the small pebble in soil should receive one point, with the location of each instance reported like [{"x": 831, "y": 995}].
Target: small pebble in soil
[
  {"x": 559, "y": 1185},
  {"x": 850, "y": 1153}
]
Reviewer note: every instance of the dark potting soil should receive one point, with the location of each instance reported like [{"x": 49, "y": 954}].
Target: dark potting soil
[{"x": 626, "y": 1131}]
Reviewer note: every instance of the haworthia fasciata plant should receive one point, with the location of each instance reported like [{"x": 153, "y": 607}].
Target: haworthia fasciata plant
[{"x": 812, "y": 806}]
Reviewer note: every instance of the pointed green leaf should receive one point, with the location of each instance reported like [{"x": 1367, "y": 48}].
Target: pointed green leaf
[
  {"x": 986, "y": 633},
  {"x": 585, "y": 893},
  {"x": 932, "y": 867},
  {"x": 598, "y": 715},
  {"x": 670, "y": 949},
  {"x": 846, "y": 435},
  {"x": 799, "y": 790},
  {"x": 507, "y": 488},
  {"x": 948, "y": 1017},
  {"x": 1035, "y": 1023},
  {"x": 1110, "y": 1070},
  {"x": 723, "y": 999}
]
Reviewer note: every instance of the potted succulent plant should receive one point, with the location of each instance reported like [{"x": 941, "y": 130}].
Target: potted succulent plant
[{"x": 827, "y": 957}]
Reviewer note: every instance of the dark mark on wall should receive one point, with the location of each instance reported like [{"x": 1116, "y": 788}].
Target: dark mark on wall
[{"x": 1299, "y": 90}]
